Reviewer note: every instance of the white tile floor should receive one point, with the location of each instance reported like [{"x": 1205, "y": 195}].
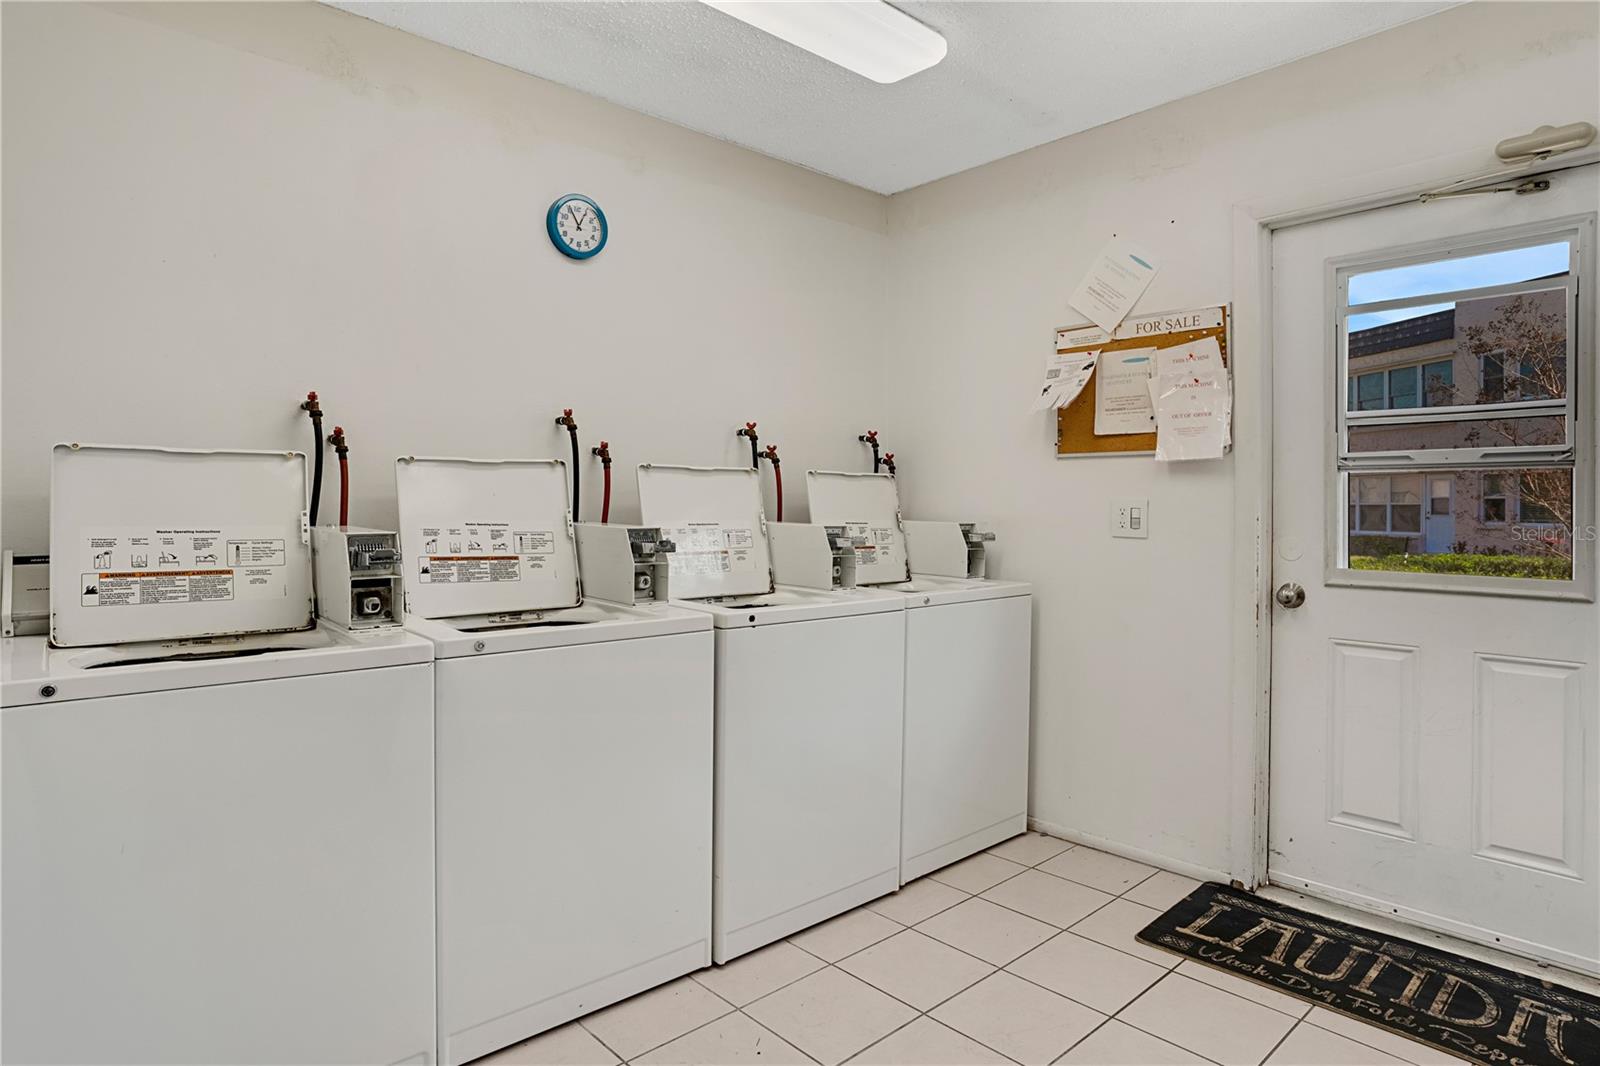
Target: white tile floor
[{"x": 1023, "y": 954}]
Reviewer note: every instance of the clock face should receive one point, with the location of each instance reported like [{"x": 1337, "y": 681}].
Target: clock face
[{"x": 577, "y": 226}]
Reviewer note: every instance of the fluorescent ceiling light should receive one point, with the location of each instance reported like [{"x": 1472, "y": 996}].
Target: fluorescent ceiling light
[{"x": 866, "y": 36}]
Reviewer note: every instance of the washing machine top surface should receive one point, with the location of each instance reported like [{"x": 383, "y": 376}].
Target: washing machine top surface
[
  {"x": 151, "y": 544},
  {"x": 593, "y": 622},
  {"x": 791, "y": 603},
  {"x": 715, "y": 517},
  {"x": 32, "y": 671},
  {"x": 481, "y": 537},
  {"x": 928, "y": 590},
  {"x": 868, "y": 507}
]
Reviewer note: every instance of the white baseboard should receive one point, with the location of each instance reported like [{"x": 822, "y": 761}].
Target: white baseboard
[{"x": 1149, "y": 858}]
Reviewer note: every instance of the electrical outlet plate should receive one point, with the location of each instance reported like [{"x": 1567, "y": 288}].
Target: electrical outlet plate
[{"x": 1130, "y": 518}]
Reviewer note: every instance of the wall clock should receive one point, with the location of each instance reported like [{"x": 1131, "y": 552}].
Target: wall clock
[{"x": 577, "y": 226}]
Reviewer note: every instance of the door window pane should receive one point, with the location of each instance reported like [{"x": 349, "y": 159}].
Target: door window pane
[
  {"x": 1439, "y": 498},
  {"x": 1492, "y": 349},
  {"x": 1506, "y": 512},
  {"x": 1475, "y": 538},
  {"x": 1465, "y": 272}
]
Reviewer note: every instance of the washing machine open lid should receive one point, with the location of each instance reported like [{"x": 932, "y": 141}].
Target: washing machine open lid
[
  {"x": 482, "y": 536},
  {"x": 166, "y": 543},
  {"x": 714, "y": 516},
  {"x": 868, "y": 506}
]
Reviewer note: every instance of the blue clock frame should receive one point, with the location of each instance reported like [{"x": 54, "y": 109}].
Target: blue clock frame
[{"x": 555, "y": 234}]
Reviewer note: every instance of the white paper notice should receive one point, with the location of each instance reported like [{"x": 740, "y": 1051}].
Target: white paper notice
[
  {"x": 1193, "y": 400},
  {"x": 1200, "y": 360},
  {"x": 1122, "y": 393},
  {"x": 1194, "y": 403},
  {"x": 1115, "y": 282},
  {"x": 1064, "y": 378}
]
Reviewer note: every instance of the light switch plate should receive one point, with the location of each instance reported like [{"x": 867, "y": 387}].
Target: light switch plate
[{"x": 1130, "y": 518}]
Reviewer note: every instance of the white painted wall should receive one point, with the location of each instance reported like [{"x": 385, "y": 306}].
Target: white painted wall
[
  {"x": 211, "y": 208},
  {"x": 1133, "y": 649}
]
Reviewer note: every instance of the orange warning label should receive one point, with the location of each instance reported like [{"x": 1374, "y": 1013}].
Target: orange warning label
[
  {"x": 163, "y": 573},
  {"x": 143, "y": 588}
]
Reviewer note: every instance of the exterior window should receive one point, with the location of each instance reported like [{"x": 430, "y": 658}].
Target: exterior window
[
  {"x": 1439, "y": 498},
  {"x": 1540, "y": 499},
  {"x": 1389, "y": 504},
  {"x": 1542, "y": 379},
  {"x": 1494, "y": 499},
  {"x": 1369, "y": 392},
  {"x": 1493, "y": 375},
  {"x": 1438, "y": 383},
  {"x": 1403, "y": 387}
]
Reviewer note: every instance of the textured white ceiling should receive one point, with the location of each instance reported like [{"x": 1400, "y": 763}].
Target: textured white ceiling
[{"x": 1017, "y": 74}]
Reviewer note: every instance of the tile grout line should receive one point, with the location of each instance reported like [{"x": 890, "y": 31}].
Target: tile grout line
[
  {"x": 997, "y": 968},
  {"x": 1168, "y": 972},
  {"x": 935, "y": 1021},
  {"x": 768, "y": 1029},
  {"x": 826, "y": 964},
  {"x": 1166, "y": 1040},
  {"x": 1279, "y": 1044},
  {"x": 1103, "y": 1023}
]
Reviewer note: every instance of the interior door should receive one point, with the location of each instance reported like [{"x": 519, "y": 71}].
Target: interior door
[{"x": 1434, "y": 706}]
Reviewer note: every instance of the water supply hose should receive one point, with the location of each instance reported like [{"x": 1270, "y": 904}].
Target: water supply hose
[
  {"x": 314, "y": 409},
  {"x": 342, "y": 449},
  {"x": 604, "y": 452},
  {"x": 571, "y": 423},
  {"x": 771, "y": 455}
]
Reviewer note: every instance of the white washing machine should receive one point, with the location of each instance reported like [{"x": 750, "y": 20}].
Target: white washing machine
[
  {"x": 809, "y": 691},
  {"x": 217, "y": 846},
  {"x": 967, "y": 667},
  {"x": 574, "y": 760}
]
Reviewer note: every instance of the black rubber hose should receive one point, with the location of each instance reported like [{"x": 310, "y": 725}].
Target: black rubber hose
[
  {"x": 316, "y": 467},
  {"x": 572, "y": 431},
  {"x": 312, "y": 407}
]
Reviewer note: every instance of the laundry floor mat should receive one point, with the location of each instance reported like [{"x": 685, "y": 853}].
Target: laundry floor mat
[{"x": 1468, "y": 1008}]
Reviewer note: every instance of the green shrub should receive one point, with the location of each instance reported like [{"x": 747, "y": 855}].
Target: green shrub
[
  {"x": 1378, "y": 544},
  {"x": 1546, "y": 567}
]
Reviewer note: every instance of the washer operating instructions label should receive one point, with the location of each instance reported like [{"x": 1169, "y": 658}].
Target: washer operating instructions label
[
  {"x": 870, "y": 541},
  {"x": 465, "y": 553},
  {"x": 705, "y": 549},
  {"x": 140, "y": 567}
]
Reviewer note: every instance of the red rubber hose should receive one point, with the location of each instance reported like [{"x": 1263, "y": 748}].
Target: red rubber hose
[
  {"x": 777, "y": 475},
  {"x": 344, "y": 491},
  {"x": 605, "y": 501}
]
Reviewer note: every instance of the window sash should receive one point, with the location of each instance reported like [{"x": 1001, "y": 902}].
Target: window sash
[{"x": 1552, "y": 455}]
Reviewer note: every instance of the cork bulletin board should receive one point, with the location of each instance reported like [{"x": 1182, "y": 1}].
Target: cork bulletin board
[{"x": 1075, "y": 422}]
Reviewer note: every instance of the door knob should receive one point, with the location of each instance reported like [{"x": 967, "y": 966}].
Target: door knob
[{"x": 1290, "y": 595}]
